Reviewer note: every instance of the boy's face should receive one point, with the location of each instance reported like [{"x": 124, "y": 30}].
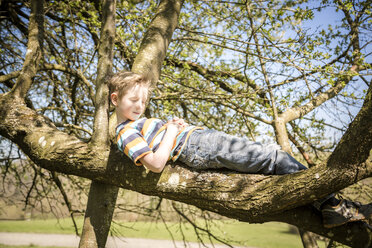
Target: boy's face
[{"x": 132, "y": 105}]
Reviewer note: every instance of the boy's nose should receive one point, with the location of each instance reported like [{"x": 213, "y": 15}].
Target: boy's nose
[{"x": 140, "y": 105}]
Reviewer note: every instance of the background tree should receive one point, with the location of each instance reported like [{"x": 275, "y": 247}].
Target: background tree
[{"x": 247, "y": 68}]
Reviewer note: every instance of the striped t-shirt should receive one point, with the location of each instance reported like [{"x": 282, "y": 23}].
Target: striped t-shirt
[{"x": 143, "y": 136}]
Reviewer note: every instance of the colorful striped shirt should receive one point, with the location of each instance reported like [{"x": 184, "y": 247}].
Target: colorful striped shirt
[{"x": 143, "y": 136}]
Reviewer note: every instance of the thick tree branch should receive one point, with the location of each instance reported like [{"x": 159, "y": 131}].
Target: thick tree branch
[
  {"x": 246, "y": 197},
  {"x": 102, "y": 196},
  {"x": 98, "y": 216},
  {"x": 357, "y": 150},
  {"x": 34, "y": 49},
  {"x": 157, "y": 38},
  {"x": 105, "y": 58}
]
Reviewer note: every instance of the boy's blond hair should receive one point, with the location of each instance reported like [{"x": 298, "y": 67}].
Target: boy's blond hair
[{"x": 122, "y": 81}]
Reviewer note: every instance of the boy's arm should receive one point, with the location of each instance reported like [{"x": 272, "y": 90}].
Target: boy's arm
[{"x": 157, "y": 160}]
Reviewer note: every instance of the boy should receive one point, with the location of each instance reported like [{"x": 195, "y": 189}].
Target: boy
[{"x": 152, "y": 142}]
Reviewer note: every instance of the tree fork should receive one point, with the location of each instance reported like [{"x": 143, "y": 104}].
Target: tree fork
[
  {"x": 102, "y": 197},
  {"x": 152, "y": 52}
]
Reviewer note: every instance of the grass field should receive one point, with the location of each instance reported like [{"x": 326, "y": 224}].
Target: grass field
[
  {"x": 271, "y": 235},
  {"x": 30, "y": 246}
]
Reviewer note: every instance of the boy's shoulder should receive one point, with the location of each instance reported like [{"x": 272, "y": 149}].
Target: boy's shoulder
[{"x": 139, "y": 124}]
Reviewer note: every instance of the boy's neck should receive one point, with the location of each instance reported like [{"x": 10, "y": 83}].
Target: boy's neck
[{"x": 120, "y": 119}]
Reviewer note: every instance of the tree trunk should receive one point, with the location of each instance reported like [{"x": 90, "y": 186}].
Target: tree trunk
[
  {"x": 98, "y": 216},
  {"x": 308, "y": 238},
  {"x": 102, "y": 197}
]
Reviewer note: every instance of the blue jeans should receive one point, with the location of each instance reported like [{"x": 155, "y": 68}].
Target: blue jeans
[{"x": 208, "y": 149}]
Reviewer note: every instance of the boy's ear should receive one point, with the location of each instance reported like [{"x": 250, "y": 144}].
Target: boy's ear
[{"x": 114, "y": 98}]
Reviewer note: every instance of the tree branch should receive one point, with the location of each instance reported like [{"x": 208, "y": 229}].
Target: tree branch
[
  {"x": 212, "y": 76},
  {"x": 58, "y": 67},
  {"x": 105, "y": 57},
  {"x": 251, "y": 198},
  {"x": 157, "y": 38},
  {"x": 358, "y": 149},
  {"x": 297, "y": 112},
  {"x": 59, "y": 185},
  {"x": 6, "y": 77},
  {"x": 34, "y": 50},
  {"x": 102, "y": 196},
  {"x": 304, "y": 154},
  {"x": 76, "y": 73}
]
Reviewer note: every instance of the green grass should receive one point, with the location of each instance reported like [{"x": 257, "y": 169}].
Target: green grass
[
  {"x": 61, "y": 226},
  {"x": 270, "y": 235},
  {"x": 273, "y": 235},
  {"x": 28, "y": 246}
]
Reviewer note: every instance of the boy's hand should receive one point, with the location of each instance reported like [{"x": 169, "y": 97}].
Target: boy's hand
[
  {"x": 157, "y": 160},
  {"x": 171, "y": 126},
  {"x": 180, "y": 123}
]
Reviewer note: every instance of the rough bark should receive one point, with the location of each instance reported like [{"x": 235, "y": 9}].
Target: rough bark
[
  {"x": 98, "y": 216},
  {"x": 157, "y": 38},
  {"x": 34, "y": 49},
  {"x": 104, "y": 70},
  {"x": 102, "y": 196},
  {"x": 308, "y": 239},
  {"x": 250, "y": 198}
]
